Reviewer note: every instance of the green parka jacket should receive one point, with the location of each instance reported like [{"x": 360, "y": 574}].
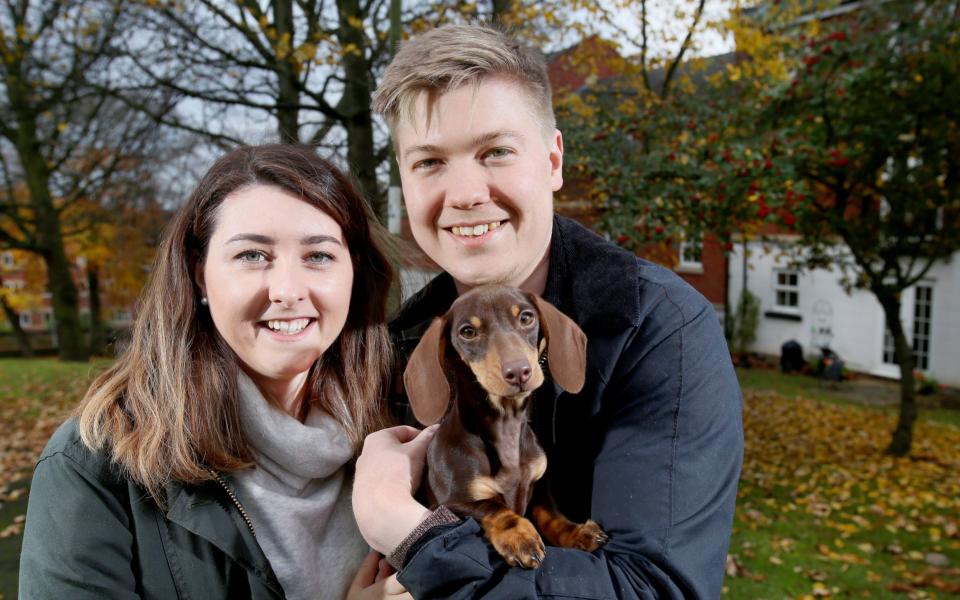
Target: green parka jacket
[{"x": 201, "y": 548}]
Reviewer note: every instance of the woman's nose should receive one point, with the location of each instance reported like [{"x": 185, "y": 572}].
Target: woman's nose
[{"x": 286, "y": 284}]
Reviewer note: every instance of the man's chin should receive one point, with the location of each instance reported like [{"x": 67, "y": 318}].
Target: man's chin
[{"x": 471, "y": 278}]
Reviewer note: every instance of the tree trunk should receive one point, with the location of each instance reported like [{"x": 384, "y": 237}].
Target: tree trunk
[
  {"x": 66, "y": 311},
  {"x": 355, "y": 108},
  {"x": 499, "y": 9},
  {"x": 23, "y": 342},
  {"x": 96, "y": 324},
  {"x": 288, "y": 100},
  {"x": 903, "y": 435}
]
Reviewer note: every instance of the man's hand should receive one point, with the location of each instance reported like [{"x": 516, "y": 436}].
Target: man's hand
[
  {"x": 376, "y": 581},
  {"x": 387, "y": 475}
]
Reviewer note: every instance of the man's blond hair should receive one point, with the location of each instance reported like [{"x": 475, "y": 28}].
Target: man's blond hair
[{"x": 445, "y": 58}]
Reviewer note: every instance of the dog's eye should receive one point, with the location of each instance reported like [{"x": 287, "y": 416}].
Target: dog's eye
[
  {"x": 527, "y": 317},
  {"x": 468, "y": 332}
]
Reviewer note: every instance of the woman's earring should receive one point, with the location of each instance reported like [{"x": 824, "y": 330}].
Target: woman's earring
[{"x": 204, "y": 301}]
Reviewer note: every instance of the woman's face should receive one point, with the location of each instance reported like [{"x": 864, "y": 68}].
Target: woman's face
[{"x": 277, "y": 276}]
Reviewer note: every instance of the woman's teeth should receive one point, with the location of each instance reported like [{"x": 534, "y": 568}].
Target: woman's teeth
[
  {"x": 288, "y": 327},
  {"x": 475, "y": 230}
]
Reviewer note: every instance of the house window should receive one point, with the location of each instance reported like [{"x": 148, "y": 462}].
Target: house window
[
  {"x": 8, "y": 259},
  {"x": 121, "y": 315},
  {"x": 786, "y": 290},
  {"x": 25, "y": 319},
  {"x": 889, "y": 349},
  {"x": 691, "y": 253},
  {"x": 922, "y": 311}
]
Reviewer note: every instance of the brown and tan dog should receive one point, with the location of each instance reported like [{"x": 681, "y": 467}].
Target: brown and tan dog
[{"x": 474, "y": 371}]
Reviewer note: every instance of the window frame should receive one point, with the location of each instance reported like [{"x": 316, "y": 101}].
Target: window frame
[{"x": 787, "y": 289}]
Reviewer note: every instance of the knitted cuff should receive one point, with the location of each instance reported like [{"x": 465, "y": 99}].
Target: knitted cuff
[{"x": 440, "y": 516}]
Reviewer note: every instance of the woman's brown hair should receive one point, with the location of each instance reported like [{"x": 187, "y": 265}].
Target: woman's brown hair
[{"x": 167, "y": 409}]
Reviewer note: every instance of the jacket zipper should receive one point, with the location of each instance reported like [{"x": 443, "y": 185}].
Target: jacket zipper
[{"x": 236, "y": 502}]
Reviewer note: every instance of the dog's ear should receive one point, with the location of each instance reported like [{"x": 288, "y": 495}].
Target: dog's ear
[
  {"x": 566, "y": 346},
  {"x": 424, "y": 378}
]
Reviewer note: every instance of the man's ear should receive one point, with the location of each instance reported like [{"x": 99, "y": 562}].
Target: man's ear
[
  {"x": 424, "y": 379},
  {"x": 555, "y": 145}
]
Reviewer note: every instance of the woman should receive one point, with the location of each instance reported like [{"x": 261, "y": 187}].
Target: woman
[{"x": 212, "y": 459}]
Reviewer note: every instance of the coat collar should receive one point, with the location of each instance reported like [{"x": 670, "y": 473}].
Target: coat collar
[
  {"x": 200, "y": 510},
  {"x": 590, "y": 279}
]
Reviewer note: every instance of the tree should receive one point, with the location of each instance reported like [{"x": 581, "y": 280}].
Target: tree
[
  {"x": 307, "y": 67},
  {"x": 870, "y": 129},
  {"x": 62, "y": 136},
  {"x": 667, "y": 147}
]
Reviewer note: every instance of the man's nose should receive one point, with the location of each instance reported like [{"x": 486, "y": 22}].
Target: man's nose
[
  {"x": 286, "y": 283},
  {"x": 467, "y": 185}
]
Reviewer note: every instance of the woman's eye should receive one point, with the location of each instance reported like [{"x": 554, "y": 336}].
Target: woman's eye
[
  {"x": 319, "y": 258},
  {"x": 252, "y": 256}
]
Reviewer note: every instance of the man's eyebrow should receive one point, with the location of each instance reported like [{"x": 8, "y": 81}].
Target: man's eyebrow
[
  {"x": 481, "y": 140},
  {"x": 487, "y": 138},
  {"x": 267, "y": 240}
]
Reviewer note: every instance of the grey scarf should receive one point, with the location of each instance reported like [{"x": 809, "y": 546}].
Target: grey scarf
[{"x": 299, "y": 498}]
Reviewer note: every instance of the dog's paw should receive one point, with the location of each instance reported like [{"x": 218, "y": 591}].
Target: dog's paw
[
  {"x": 519, "y": 545},
  {"x": 587, "y": 536}
]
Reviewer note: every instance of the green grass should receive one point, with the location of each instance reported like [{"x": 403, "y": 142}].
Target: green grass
[
  {"x": 20, "y": 376},
  {"x": 822, "y": 512},
  {"x": 35, "y": 395},
  {"x": 804, "y": 386}
]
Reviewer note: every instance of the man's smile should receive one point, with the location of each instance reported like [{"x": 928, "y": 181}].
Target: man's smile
[{"x": 474, "y": 230}]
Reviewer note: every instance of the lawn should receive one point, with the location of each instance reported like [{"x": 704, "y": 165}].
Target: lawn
[
  {"x": 35, "y": 395},
  {"x": 822, "y": 512}
]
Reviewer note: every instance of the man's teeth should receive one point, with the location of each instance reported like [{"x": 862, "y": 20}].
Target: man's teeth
[
  {"x": 475, "y": 230},
  {"x": 294, "y": 326}
]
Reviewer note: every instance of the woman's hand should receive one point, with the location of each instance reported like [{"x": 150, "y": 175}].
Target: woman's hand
[
  {"x": 387, "y": 475},
  {"x": 376, "y": 580}
]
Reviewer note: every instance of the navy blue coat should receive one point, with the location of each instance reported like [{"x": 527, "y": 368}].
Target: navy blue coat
[{"x": 651, "y": 448}]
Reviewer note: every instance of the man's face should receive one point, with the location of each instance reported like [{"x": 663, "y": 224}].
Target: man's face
[{"x": 478, "y": 176}]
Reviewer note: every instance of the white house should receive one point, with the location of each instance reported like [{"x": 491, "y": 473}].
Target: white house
[{"x": 812, "y": 308}]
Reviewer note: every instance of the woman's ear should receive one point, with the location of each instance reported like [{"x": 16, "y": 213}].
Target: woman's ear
[{"x": 198, "y": 277}]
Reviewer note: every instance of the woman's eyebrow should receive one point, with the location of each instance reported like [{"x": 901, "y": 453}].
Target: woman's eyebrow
[
  {"x": 319, "y": 239},
  {"x": 252, "y": 237},
  {"x": 267, "y": 240}
]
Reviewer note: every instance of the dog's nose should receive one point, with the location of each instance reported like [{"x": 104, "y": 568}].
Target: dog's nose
[{"x": 516, "y": 372}]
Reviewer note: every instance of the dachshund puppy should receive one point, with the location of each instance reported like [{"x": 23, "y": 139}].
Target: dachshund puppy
[{"x": 474, "y": 371}]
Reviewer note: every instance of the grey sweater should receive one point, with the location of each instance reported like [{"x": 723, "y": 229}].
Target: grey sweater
[{"x": 298, "y": 497}]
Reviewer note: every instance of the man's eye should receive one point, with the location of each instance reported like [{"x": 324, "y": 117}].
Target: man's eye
[
  {"x": 425, "y": 164},
  {"x": 498, "y": 153},
  {"x": 252, "y": 256}
]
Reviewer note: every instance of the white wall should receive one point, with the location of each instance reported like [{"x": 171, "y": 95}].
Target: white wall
[{"x": 856, "y": 320}]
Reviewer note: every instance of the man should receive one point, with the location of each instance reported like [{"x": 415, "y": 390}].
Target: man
[{"x": 651, "y": 448}]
